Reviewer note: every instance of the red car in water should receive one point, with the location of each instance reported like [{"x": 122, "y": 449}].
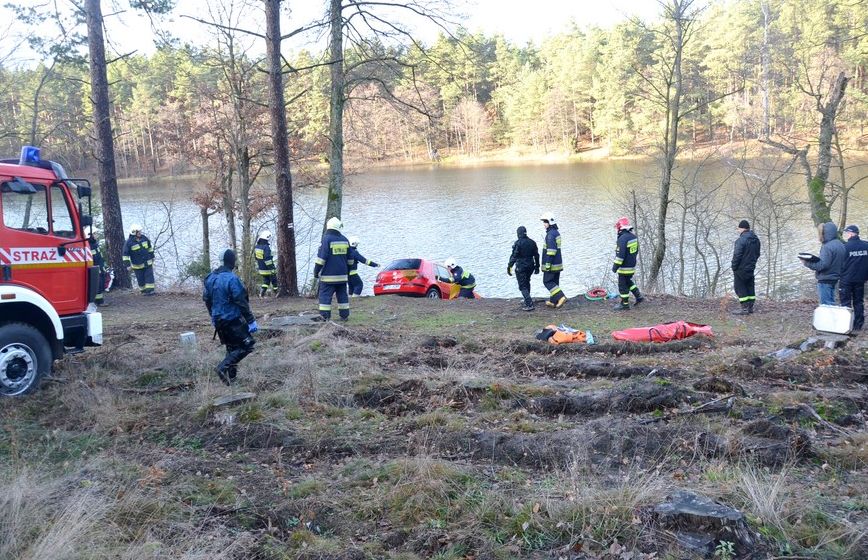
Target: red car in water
[{"x": 416, "y": 277}]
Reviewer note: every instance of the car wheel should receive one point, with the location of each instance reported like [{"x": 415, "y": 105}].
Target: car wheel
[
  {"x": 432, "y": 293},
  {"x": 25, "y": 357}
]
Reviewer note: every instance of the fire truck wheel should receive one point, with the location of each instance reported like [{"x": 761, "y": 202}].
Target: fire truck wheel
[{"x": 25, "y": 358}]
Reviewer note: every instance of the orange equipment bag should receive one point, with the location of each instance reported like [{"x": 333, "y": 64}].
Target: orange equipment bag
[
  {"x": 665, "y": 332},
  {"x": 563, "y": 337}
]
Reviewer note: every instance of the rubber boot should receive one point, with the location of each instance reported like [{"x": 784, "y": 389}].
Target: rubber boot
[
  {"x": 561, "y": 301},
  {"x": 745, "y": 309},
  {"x": 750, "y": 307}
]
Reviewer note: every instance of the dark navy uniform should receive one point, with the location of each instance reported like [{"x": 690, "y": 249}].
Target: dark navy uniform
[
  {"x": 265, "y": 266},
  {"x": 356, "y": 284},
  {"x": 226, "y": 299},
  {"x": 745, "y": 255},
  {"x": 851, "y": 287},
  {"x": 332, "y": 270},
  {"x": 465, "y": 280},
  {"x": 525, "y": 259},
  {"x": 139, "y": 255},
  {"x": 553, "y": 265},
  {"x": 98, "y": 261},
  {"x": 626, "y": 256}
]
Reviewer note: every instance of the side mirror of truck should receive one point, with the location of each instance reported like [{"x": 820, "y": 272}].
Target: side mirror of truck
[
  {"x": 83, "y": 191},
  {"x": 86, "y": 220}
]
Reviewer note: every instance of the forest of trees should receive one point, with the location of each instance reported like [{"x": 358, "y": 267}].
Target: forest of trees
[
  {"x": 749, "y": 70},
  {"x": 789, "y": 74}
]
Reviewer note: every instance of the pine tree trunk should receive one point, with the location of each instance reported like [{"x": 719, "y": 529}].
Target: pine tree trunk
[
  {"x": 286, "y": 266},
  {"x": 105, "y": 153},
  {"x": 336, "y": 112}
]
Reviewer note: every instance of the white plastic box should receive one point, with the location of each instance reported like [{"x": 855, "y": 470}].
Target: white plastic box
[{"x": 833, "y": 319}]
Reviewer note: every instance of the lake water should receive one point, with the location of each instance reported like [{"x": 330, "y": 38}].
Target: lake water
[{"x": 471, "y": 214}]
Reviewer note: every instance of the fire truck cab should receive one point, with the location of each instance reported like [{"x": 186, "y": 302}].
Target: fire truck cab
[{"x": 47, "y": 279}]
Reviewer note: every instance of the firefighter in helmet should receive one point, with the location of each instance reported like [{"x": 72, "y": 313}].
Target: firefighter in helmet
[
  {"x": 464, "y": 279},
  {"x": 332, "y": 269},
  {"x": 139, "y": 256},
  {"x": 98, "y": 261},
  {"x": 356, "y": 284},
  {"x": 552, "y": 262},
  {"x": 626, "y": 254},
  {"x": 265, "y": 264}
]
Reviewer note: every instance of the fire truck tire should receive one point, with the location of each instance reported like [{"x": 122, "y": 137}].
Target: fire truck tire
[{"x": 25, "y": 358}]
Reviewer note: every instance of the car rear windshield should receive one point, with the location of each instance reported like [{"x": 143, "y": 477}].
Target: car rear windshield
[{"x": 405, "y": 264}]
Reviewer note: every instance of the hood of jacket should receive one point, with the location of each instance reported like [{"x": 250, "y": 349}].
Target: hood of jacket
[
  {"x": 521, "y": 232},
  {"x": 830, "y": 232}
]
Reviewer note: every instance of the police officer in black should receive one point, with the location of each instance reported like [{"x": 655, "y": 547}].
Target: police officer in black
[
  {"x": 851, "y": 286},
  {"x": 745, "y": 254},
  {"x": 525, "y": 259}
]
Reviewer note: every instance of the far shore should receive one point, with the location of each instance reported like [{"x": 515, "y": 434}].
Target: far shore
[{"x": 524, "y": 156}]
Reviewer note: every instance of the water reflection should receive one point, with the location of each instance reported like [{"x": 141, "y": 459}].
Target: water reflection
[{"x": 467, "y": 213}]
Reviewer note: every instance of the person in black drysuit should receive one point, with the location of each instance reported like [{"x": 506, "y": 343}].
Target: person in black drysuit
[
  {"x": 229, "y": 307},
  {"x": 525, "y": 259},
  {"x": 851, "y": 287},
  {"x": 744, "y": 257}
]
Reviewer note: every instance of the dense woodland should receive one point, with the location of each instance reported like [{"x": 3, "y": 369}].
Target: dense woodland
[
  {"x": 787, "y": 77},
  {"x": 750, "y": 66}
]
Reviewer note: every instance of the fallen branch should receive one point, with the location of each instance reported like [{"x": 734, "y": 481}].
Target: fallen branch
[
  {"x": 701, "y": 409},
  {"x": 813, "y": 413}
]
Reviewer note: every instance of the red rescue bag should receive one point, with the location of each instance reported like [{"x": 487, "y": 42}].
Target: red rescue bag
[{"x": 665, "y": 332}]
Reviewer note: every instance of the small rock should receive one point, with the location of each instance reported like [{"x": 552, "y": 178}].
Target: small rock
[{"x": 224, "y": 418}]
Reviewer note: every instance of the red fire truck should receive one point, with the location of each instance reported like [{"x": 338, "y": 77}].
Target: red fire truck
[{"x": 47, "y": 278}]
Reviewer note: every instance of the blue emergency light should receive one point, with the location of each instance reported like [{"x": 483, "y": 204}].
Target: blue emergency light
[{"x": 29, "y": 155}]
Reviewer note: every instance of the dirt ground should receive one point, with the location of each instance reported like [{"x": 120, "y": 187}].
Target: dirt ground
[{"x": 429, "y": 429}]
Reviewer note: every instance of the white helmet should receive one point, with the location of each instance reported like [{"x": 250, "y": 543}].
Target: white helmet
[
  {"x": 548, "y": 217},
  {"x": 135, "y": 228},
  {"x": 450, "y": 262},
  {"x": 354, "y": 241},
  {"x": 334, "y": 223},
  {"x": 266, "y": 235}
]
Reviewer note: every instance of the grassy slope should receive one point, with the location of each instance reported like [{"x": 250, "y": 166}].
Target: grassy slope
[{"x": 430, "y": 430}]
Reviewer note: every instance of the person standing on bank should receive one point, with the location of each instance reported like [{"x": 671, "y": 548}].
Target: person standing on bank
[
  {"x": 139, "y": 256},
  {"x": 854, "y": 274},
  {"x": 355, "y": 258},
  {"x": 332, "y": 269},
  {"x": 227, "y": 302},
  {"x": 624, "y": 265},
  {"x": 265, "y": 264},
  {"x": 99, "y": 262},
  {"x": 745, "y": 254},
  {"x": 525, "y": 259},
  {"x": 552, "y": 262},
  {"x": 828, "y": 268}
]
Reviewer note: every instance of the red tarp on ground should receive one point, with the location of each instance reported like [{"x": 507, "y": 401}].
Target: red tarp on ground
[{"x": 663, "y": 333}]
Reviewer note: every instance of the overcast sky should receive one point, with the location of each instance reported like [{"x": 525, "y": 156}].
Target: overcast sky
[{"x": 519, "y": 20}]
